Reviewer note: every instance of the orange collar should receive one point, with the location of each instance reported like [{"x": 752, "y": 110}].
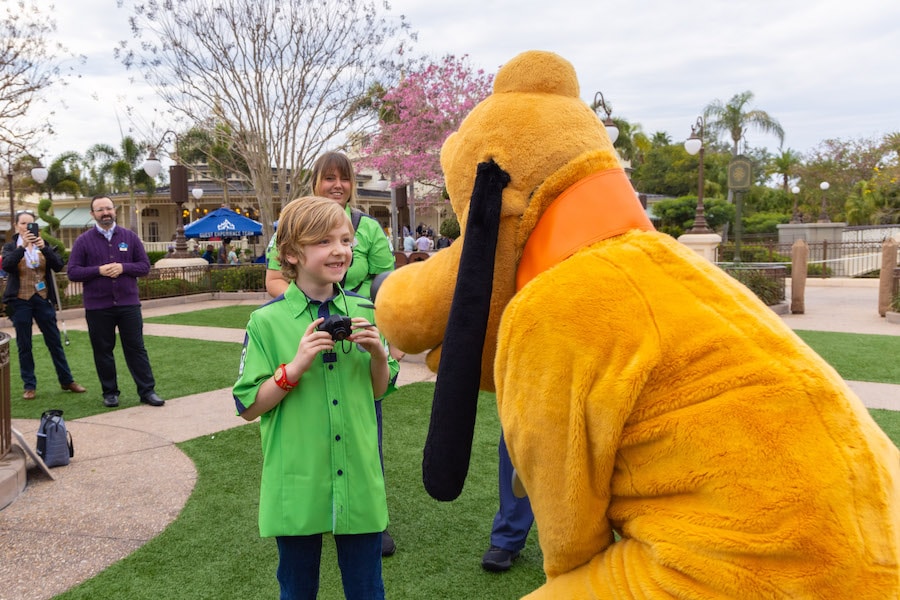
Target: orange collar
[{"x": 600, "y": 206}]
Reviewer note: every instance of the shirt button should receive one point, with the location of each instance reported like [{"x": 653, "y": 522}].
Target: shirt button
[
  {"x": 340, "y": 471},
  {"x": 331, "y": 367},
  {"x": 337, "y": 438},
  {"x": 334, "y": 401}
]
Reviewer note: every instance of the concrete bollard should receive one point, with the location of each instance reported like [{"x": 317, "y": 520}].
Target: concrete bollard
[
  {"x": 799, "y": 262},
  {"x": 886, "y": 289}
]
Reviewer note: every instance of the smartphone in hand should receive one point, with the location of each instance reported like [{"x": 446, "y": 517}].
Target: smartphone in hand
[{"x": 34, "y": 229}]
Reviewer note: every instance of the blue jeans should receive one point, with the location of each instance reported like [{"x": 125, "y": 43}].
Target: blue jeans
[
  {"x": 514, "y": 518},
  {"x": 359, "y": 557},
  {"x": 41, "y": 311}
]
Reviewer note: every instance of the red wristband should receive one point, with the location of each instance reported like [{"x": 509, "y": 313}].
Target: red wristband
[{"x": 281, "y": 379}]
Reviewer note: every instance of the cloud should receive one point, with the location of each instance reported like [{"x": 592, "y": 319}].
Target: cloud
[{"x": 822, "y": 68}]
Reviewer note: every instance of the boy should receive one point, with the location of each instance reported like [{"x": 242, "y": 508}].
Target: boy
[{"x": 315, "y": 395}]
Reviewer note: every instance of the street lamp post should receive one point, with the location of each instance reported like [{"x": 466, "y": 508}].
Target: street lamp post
[
  {"x": 178, "y": 192},
  {"x": 823, "y": 216},
  {"x": 795, "y": 211},
  {"x": 611, "y": 130},
  {"x": 694, "y": 145},
  {"x": 383, "y": 185}
]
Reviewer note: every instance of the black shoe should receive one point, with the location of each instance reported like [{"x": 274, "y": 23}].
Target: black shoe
[
  {"x": 497, "y": 559},
  {"x": 388, "y": 547},
  {"x": 110, "y": 400},
  {"x": 152, "y": 399}
]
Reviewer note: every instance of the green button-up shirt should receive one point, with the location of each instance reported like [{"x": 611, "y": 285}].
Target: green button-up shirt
[{"x": 321, "y": 470}]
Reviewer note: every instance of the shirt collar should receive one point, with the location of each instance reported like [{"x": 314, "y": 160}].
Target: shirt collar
[
  {"x": 107, "y": 233},
  {"x": 299, "y": 302}
]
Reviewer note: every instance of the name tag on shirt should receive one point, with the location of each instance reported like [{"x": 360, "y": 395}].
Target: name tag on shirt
[{"x": 123, "y": 247}]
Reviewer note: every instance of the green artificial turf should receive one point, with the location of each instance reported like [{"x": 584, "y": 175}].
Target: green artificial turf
[
  {"x": 858, "y": 357},
  {"x": 181, "y": 366},
  {"x": 213, "y": 549},
  {"x": 227, "y": 316}
]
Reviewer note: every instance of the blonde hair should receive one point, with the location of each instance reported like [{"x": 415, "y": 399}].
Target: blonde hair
[
  {"x": 334, "y": 161},
  {"x": 303, "y": 222}
]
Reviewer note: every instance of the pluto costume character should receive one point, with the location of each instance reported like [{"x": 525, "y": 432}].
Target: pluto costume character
[{"x": 641, "y": 390}]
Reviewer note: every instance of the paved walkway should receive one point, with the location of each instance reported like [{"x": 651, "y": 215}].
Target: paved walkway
[{"x": 129, "y": 480}]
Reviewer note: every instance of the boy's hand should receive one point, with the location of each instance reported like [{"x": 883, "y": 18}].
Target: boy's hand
[
  {"x": 312, "y": 342},
  {"x": 366, "y": 335}
]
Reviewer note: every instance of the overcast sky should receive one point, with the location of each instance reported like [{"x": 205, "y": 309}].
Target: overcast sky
[{"x": 823, "y": 68}]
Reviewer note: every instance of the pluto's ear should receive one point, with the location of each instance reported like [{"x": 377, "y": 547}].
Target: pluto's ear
[{"x": 449, "y": 445}]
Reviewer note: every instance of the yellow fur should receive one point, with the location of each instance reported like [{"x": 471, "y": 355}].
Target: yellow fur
[{"x": 643, "y": 391}]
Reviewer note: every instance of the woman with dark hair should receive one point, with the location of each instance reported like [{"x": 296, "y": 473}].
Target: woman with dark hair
[{"x": 29, "y": 297}]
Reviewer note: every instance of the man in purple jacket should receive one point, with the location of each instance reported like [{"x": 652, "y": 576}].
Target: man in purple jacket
[{"x": 108, "y": 260}]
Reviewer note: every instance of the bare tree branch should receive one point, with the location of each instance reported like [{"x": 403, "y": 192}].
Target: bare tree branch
[
  {"x": 281, "y": 75},
  {"x": 29, "y": 64}
]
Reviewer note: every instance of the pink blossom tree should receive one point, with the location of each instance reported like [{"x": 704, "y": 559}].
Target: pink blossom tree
[{"x": 417, "y": 116}]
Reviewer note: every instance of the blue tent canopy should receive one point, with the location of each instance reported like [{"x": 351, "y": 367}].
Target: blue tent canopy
[{"x": 223, "y": 223}]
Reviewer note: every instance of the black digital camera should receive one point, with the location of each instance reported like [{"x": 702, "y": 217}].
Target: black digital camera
[{"x": 338, "y": 326}]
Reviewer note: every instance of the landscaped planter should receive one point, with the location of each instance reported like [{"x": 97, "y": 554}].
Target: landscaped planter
[{"x": 892, "y": 317}]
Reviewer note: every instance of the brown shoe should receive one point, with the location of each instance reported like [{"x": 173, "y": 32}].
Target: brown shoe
[
  {"x": 28, "y": 394},
  {"x": 74, "y": 387}
]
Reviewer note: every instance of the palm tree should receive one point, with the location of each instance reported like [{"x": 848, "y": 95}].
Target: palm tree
[
  {"x": 734, "y": 119},
  {"x": 632, "y": 143},
  {"x": 784, "y": 165},
  {"x": 660, "y": 138},
  {"x": 123, "y": 167},
  {"x": 63, "y": 176},
  {"x": 863, "y": 204},
  {"x": 213, "y": 144}
]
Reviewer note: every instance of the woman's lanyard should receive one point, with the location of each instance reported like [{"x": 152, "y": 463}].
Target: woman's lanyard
[{"x": 32, "y": 255}]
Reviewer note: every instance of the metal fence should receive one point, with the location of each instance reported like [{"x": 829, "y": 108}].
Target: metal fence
[
  {"x": 826, "y": 259},
  {"x": 177, "y": 281}
]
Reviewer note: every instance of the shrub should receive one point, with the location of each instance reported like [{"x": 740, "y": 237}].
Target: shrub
[
  {"x": 240, "y": 278},
  {"x": 752, "y": 253},
  {"x": 450, "y": 228},
  {"x": 164, "y": 288},
  {"x": 155, "y": 255},
  {"x": 895, "y": 303},
  {"x": 767, "y": 284}
]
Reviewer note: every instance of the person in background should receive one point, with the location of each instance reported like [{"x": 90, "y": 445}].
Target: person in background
[
  {"x": 513, "y": 520},
  {"x": 443, "y": 242},
  {"x": 30, "y": 296},
  {"x": 409, "y": 242},
  {"x": 423, "y": 244},
  {"x": 224, "y": 249},
  {"x": 333, "y": 177},
  {"x": 314, "y": 398},
  {"x": 233, "y": 257},
  {"x": 108, "y": 260},
  {"x": 210, "y": 254}
]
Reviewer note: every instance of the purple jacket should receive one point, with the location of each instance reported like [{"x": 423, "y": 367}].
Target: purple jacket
[{"x": 91, "y": 250}]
